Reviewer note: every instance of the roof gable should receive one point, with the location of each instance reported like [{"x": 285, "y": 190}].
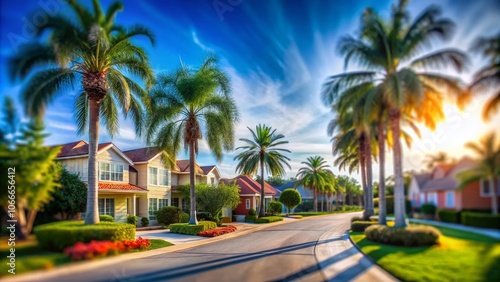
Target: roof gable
[
  {"x": 143, "y": 154},
  {"x": 249, "y": 186},
  {"x": 80, "y": 149}
]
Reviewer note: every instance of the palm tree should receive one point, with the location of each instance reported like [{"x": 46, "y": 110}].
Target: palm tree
[
  {"x": 315, "y": 175},
  {"x": 387, "y": 51},
  {"x": 488, "y": 77},
  {"x": 261, "y": 151},
  {"x": 186, "y": 105},
  {"x": 99, "y": 54},
  {"x": 488, "y": 168},
  {"x": 432, "y": 160}
]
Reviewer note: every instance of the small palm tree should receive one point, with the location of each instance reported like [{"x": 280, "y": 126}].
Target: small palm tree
[
  {"x": 100, "y": 55},
  {"x": 315, "y": 175},
  {"x": 186, "y": 105},
  {"x": 262, "y": 151},
  {"x": 488, "y": 78},
  {"x": 488, "y": 168}
]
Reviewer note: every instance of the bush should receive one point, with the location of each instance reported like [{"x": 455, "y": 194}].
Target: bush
[
  {"x": 217, "y": 231},
  {"x": 132, "y": 219},
  {"x": 191, "y": 229},
  {"x": 360, "y": 226},
  {"x": 185, "y": 217},
  {"x": 81, "y": 251},
  {"x": 481, "y": 220},
  {"x": 268, "y": 219},
  {"x": 252, "y": 212},
  {"x": 274, "y": 207},
  {"x": 451, "y": 216},
  {"x": 389, "y": 203},
  {"x": 59, "y": 235},
  {"x": 168, "y": 215},
  {"x": 106, "y": 218},
  {"x": 290, "y": 198},
  {"x": 357, "y": 218},
  {"x": 203, "y": 216},
  {"x": 409, "y": 236},
  {"x": 250, "y": 218},
  {"x": 429, "y": 209},
  {"x": 144, "y": 221}
]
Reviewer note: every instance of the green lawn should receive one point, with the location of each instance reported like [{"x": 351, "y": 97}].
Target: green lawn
[
  {"x": 29, "y": 257},
  {"x": 460, "y": 256},
  {"x": 305, "y": 214}
]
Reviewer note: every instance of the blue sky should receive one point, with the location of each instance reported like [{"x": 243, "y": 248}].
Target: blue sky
[{"x": 277, "y": 54}]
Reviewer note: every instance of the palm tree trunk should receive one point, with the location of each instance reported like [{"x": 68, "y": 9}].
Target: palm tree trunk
[
  {"x": 363, "y": 175},
  {"x": 399, "y": 192},
  {"x": 192, "y": 183},
  {"x": 322, "y": 201},
  {"x": 369, "y": 176},
  {"x": 262, "y": 192},
  {"x": 92, "y": 213},
  {"x": 382, "y": 209},
  {"x": 315, "y": 196},
  {"x": 494, "y": 198}
]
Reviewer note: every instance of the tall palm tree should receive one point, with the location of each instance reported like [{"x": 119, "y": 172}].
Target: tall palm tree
[
  {"x": 488, "y": 168},
  {"x": 315, "y": 175},
  {"x": 388, "y": 51},
  {"x": 100, "y": 55},
  {"x": 187, "y": 105},
  {"x": 262, "y": 151},
  {"x": 488, "y": 78}
]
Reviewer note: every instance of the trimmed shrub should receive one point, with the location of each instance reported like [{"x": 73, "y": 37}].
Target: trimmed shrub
[
  {"x": 360, "y": 226},
  {"x": 250, "y": 218},
  {"x": 357, "y": 218},
  {"x": 429, "y": 209},
  {"x": 203, "y": 216},
  {"x": 144, "y": 221},
  {"x": 252, "y": 212},
  {"x": 106, "y": 218},
  {"x": 275, "y": 207},
  {"x": 217, "y": 231},
  {"x": 290, "y": 198},
  {"x": 481, "y": 220},
  {"x": 132, "y": 219},
  {"x": 168, "y": 215},
  {"x": 451, "y": 216},
  {"x": 409, "y": 236},
  {"x": 59, "y": 235},
  {"x": 191, "y": 229},
  {"x": 185, "y": 217},
  {"x": 268, "y": 219}
]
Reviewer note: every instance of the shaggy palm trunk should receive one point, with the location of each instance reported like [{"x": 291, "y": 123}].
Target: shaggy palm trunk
[
  {"x": 369, "y": 177},
  {"x": 382, "y": 209},
  {"x": 494, "y": 198},
  {"x": 322, "y": 201},
  {"x": 92, "y": 212},
  {"x": 262, "y": 192},
  {"x": 399, "y": 192},
  {"x": 192, "y": 183},
  {"x": 363, "y": 175},
  {"x": 315, "y": 196}
]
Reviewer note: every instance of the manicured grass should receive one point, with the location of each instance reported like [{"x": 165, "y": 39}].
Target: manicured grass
[
  {"x": 459, "y": 256},
  {"x": 30, "y": 256},
  {"x": 268, "y": 219}
]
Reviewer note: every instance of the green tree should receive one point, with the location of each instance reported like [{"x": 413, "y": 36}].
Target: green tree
[
  {"x": 273, "y": 181},
  {"x": 261, "y": 151},
  {"x": 488, "y": 168},
  {"x": 70, "y": 199},
  {"x": 94, "y": 51},
  {"x": 387, "y": 50},
  {"x": 315, "y": 175},
  {"x": 186, "y": 104},
  {"x": 290, "y": 198},
  {"x": 487, "y": 79}
]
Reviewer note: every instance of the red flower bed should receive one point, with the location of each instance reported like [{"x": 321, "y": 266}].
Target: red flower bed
[
  {"x": 217, "y": 231},
  {"x": 81, "y": 251}
]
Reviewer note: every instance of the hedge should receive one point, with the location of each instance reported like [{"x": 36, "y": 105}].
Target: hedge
[
  {"x": 360, "y": 226},
  {"x": 268, "y": 219},
  {"x": 408, "y": 236},
  {"x": 429, "y": 209},
  {"x": 59, "y": 235},
  {"x": 185, "y": 217},
  {"x": 250, "y": 218},
  {"x": 357, "y": 218},
  {"x": 275, "y": 207},
  {"x": 451, "y": 216},
  {"x": 106, "y": 218},
  {"x": 481, "y": 220},
  {"x": 389, "y": 203},
  {"x": 192, "y": 229},
  {"x": 168, "y": 215}
]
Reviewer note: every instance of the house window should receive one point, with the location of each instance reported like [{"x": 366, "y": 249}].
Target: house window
[
  {"x": 432, "y": 198},
  {"x": 175, "y": 202},
  {"x": 162, "y": 203},
  {"x": 153, "y": 176},
  {"x": 450, "y": 199},
  {"x": 485, "y": 189},
  {"x": 110, "y": 171},
  {"x": 153, "y": 207},
  {"x": 185, "y": 205},
  {"x": 247, "y": 203},
  {"x": 422, "y": 198},
  {"x": 106, "y": 206},
  {"x": 164, "y": 179},
  {"x": 212, "y": 181}
]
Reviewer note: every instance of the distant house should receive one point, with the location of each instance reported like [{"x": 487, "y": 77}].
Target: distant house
[
  {"x": 440, "y": 188},
  {"x": 250, "y": 193}
]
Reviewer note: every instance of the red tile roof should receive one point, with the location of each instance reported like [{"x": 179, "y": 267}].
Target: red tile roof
[
  {"x": 120, "y": 187},
  {"x": 78, "y": 148},
  {"x": 249, "y": 186},
  {"x": 141, "y": 154},
  {"x": 183, "y": 166}
]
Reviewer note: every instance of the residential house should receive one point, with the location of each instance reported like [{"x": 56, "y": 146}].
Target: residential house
[
  {"x": 306, "y": 194},
  {"x": 440, "y": 187},
  {"x": 250, "y": 193},
  {"x": 118, "y": 192}
]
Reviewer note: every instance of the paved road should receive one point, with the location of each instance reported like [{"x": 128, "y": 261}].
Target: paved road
[{"x": 279, "y": 253}]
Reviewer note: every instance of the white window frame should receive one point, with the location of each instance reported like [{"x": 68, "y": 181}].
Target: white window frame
[
  {"x": 160, "y": 173},
  {"x": 446, "y": 202},
  {"x": 151, "y": 178},
  {"x": 107, "y": 207},
  {"x": 151, "y": 210},
  {"x": 432, "y": 198},
  {"x": 481, "y": 188},
  {"x": 111, "y": 172},
  {"x": 247, "y": 204},
  {"x": 162, "y": 203}
]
